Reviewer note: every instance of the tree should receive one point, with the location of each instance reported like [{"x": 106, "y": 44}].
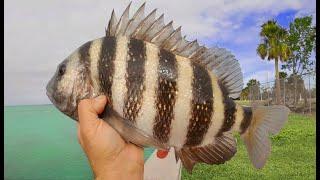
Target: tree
[
  {"x": 265, "y": 93},
  {"x": 283, "y": 82},
  {"x": 244, "y": 94},
  {"x": 253, "y": 82},
  {"x": 274, "y": 46},
  {"x": 253, "y": 86},
  {"x": 251, "y": 90},
  {"x": 295, "y": 85},
  {"x": 283, "y": 75},
  {"x": 301, "y": 41}
]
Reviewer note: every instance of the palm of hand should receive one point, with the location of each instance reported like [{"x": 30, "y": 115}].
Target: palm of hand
[{"x": 104, "y": 147}]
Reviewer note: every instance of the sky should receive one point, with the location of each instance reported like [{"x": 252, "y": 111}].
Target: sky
[{"x": 38, "y": 34}]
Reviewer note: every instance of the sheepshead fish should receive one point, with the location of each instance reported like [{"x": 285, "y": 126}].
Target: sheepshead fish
[{"x": 165, "y": 91}]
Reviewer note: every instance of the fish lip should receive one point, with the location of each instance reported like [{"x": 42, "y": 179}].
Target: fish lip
[
  {"x": 49, "y": 89},
  {"x": 49, "y": 94}
]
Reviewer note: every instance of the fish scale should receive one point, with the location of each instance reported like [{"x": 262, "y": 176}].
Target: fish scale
[
  {"x": 106, "y": 65},
  {"x": 166, "y": 95},
  {"x": 165, "y": 91},
  {"x": 202, "y": 96},
  {"x": 134, "y": 79}
]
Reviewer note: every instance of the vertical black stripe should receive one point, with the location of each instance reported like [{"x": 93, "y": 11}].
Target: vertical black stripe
[
  {"x": 135, "y": 77},
  {"x": 106, "y": 66},
  {"x": 202, "y": 104},
  {"x": 247, "y": 116},
  {"x": 84, "y": 57},
  {"x": 229, "y": 111},
  {"x": 166, "y": 95},
  {"x": 85, "y": 61},
  {"x": 85, "y": 79},
  {"x": 84, "y": 51}
]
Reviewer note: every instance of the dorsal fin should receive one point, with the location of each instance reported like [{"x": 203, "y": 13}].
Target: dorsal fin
[
  {"x": 154, "y": 28},
  {"x": 172, "y": 39},
  {"x": 163, "y": 34},
  {"x": 190, "y": 49},
  {"x": 181, "y": 44},
  {"x": 144, "y": 25},
  {"x": 224, "y": 65},
  {"x": 135, "y": 21},
  {"x": 199, "y": 52},
  {"x": 112, "y": 25},
  {"x": 123, "y": 22},
  {"x": 151, "y": 29}
]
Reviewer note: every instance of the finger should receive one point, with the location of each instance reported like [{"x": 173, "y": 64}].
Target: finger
[
  {"x": 88, "y": 110},
  {"x": 99, "y": 103}
]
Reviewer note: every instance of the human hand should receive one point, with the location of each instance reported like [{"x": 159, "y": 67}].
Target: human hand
[{"x": 109, "y": 155}]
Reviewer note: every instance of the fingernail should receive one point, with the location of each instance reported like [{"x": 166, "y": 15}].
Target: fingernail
[{"x": 100, "y": 98}]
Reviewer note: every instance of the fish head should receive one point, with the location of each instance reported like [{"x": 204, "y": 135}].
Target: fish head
[{"x": 70, "y": 83}]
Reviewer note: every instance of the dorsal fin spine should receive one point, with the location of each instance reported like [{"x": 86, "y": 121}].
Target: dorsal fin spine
[
  {"x": 159, "y": 33},
  {"x": 154, "y": 25},
  {"x": 123, "y": 20},
  {"x": 138, "y": 16},
  {"x": 111, "y": 25},
  {"x": 167, "y": 41},
  {"x": 142, "y": 24}
]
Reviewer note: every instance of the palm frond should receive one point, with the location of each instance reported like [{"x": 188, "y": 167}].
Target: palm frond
[{"x": 262, "y": 50}]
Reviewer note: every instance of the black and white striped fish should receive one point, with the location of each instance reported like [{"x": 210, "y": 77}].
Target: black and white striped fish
[{"x": 166, "y": 91}]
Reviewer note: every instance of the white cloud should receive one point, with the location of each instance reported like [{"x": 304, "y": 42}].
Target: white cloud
[
  {"x": 249, "y": 35},
  {"x": 40, "y": 34},
  {"x": 308, "y": 12}
]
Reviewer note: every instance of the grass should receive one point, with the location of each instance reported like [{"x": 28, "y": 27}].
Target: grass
[
  {"x": 293, "y": 156},
  {"x": 243, "y": 102}
]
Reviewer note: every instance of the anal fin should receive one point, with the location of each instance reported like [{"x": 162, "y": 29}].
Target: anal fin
[{"x": 220, "y": 151}]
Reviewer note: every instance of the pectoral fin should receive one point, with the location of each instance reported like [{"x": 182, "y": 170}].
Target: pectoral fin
[{"x": 129, "y": 131}]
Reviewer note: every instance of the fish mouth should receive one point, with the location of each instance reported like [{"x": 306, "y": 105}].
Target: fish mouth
[
  {"x": 71, "y": 113},
  {"x": 52, "y": 97},
  {"x": 49, "y": 90},
  {"x": 57, "y": 100},
  {"x": 49, "y": 93}
]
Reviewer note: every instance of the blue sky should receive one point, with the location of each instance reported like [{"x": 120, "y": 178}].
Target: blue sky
[
  {"x": 40, "y": 34},
  {"x": 247, "y": 46}
]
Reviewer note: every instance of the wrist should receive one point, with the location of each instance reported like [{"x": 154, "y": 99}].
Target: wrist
[
  {"x": 120, "y": 171},
  {"x": 114, "y": 174}
]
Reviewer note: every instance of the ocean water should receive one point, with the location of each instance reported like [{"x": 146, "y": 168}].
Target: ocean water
[{"x": 41, "y": 143}]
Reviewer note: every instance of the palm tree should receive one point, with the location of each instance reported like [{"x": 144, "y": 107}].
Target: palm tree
[{"x": 274, "y": 46}]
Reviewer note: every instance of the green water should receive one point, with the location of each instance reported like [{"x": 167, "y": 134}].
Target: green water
[{"x": 41, "y": 143}]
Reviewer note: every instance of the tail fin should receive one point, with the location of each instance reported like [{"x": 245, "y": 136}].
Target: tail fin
[{"x": 266, "y": 120}]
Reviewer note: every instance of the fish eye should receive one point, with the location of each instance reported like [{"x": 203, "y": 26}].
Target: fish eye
[{"x": 62, "y": 70}]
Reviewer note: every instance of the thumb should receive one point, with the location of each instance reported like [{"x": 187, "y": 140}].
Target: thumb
[
  {"x": 99, "y": 103},
  {"x": 88, "y": 110}
]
